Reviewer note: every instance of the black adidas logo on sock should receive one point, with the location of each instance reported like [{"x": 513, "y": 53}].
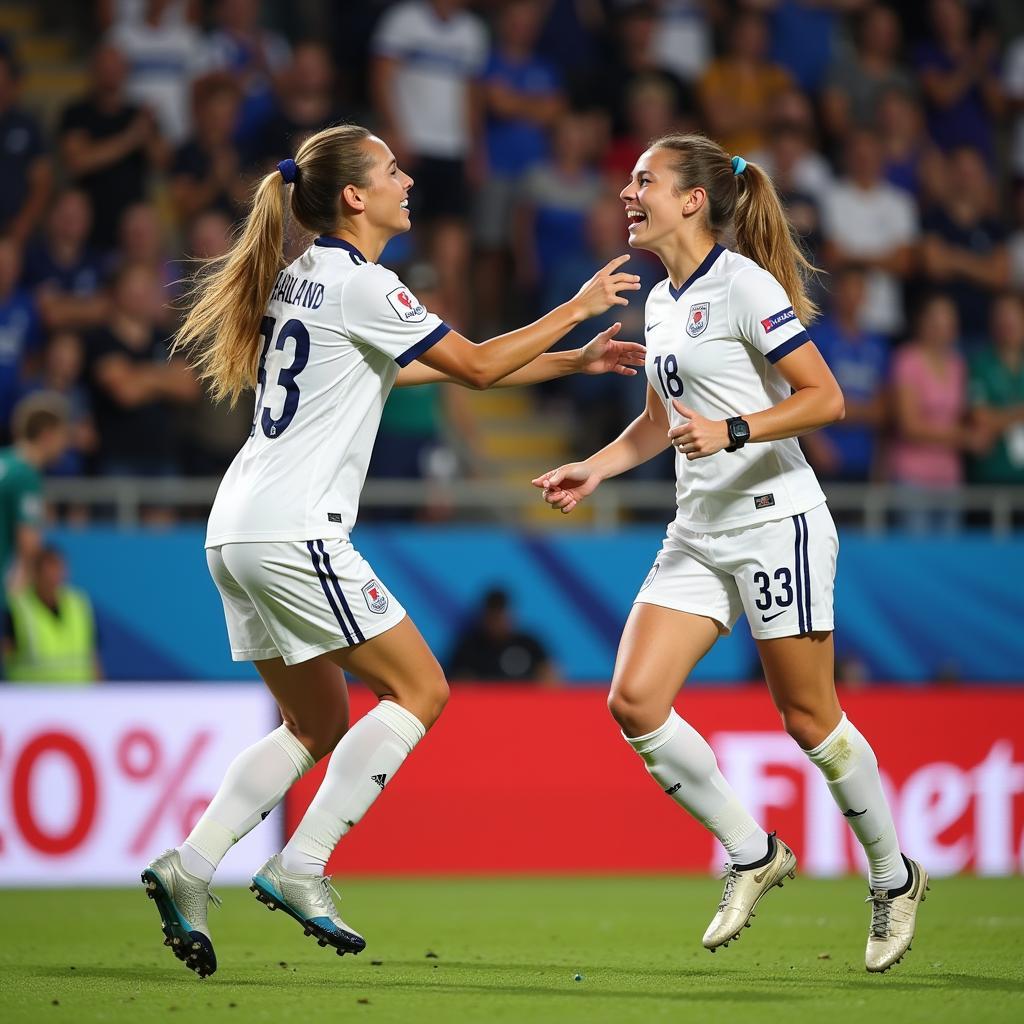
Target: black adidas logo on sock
[
  {"x": 672, "y": 789},
  {"x": 379, "y": 779}
]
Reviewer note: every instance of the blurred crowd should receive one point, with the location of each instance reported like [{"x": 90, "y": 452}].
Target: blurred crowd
[{"x": 895, "y": 133}]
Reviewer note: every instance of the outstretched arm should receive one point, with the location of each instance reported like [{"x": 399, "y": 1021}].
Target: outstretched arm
[{"x": 604, "y": 354}]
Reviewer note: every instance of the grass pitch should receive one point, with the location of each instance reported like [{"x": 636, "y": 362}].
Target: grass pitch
[{"x": 509, "y": 950}]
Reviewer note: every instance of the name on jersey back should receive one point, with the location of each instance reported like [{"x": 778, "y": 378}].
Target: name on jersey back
[{"x": 297, "y": 291}]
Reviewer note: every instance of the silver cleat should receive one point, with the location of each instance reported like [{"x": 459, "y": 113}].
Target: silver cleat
[
  {"x": 893, "y": 919},
  {"x": 306, "y": 898},
  {"x": 743, "y": 890},
  {"x": 182, "y": 901}
]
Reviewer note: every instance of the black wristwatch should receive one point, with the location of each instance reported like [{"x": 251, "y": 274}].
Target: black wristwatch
[{"x": 739, "y": 432}]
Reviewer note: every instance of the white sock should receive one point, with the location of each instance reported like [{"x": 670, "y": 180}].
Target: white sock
[
  {"x": 362, "y": 764},
  {"x": 253, "y": 786},
  {"x": 681, "y": 762},
  {"x": 851, "y": 772}
]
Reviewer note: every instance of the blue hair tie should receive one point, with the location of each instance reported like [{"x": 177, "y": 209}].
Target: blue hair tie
[
  {"x": 739, "y": 165},
  {"x": 288, "y": 170}
]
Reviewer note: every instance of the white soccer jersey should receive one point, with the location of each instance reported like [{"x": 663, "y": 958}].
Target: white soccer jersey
[
  {"x": 336, "y": 330},
  {"x": 712, "y": 344}
]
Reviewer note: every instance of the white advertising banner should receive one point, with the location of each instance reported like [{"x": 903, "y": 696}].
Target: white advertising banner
[{"x": 94, "y": 783}]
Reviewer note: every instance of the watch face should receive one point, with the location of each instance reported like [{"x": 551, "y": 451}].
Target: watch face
[{"x": 740, "y": 430}]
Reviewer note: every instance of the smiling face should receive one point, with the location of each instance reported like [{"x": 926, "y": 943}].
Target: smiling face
[
  {"x": 655, "y": 211},
  {"x": 384, "y": 202}
]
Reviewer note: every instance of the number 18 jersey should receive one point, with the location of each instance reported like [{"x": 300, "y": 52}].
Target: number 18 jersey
[
  {"x": 713, "y": 344},
  {"x": 336, "y": 330}
]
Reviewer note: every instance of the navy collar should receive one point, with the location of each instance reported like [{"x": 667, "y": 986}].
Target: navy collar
[
  {"x": 330, "y": 242},
  {"x": 709, "y": 262}
]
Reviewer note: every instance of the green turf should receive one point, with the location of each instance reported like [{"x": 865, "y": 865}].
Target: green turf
[{"x": 508, "y": 950}]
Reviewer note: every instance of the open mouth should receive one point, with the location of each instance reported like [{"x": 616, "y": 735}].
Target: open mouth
[
  {"x": 405, "y": 204},
  {"x": 635, "y": 218}
]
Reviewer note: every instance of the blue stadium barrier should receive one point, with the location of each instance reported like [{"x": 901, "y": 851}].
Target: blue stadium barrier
[{"x": 910, "y": 609}]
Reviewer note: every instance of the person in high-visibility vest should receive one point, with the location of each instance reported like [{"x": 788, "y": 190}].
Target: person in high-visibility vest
[{"x": 50, "y": 632}]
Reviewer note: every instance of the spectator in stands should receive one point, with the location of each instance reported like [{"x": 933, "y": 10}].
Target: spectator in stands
[
  {"x": 871, "y": 223},
  {"x": 306, "y": 101},
  {"x": 26, "y": 175},
  {"x": 682, "y": 38},
  {"x": 213, "y": 432},
  {"x": 859, "y": 360},
  {"x": 63, "y": 273},
  {"x": 252, "y": 57},
  {"x": 737, "y": 91},
  {"x": 493, "y": 648},
  {"x": 931, "y": 434},
  {"x": 552, "y": 214},
  {"x": 803, "y": 37},
  {"x": 164, "y": 57},
  {"x": 997, "y": 396},
  {"x": 522, "y": 98},
  {"x": 62, "y": 373},
  {"x": 904, "y": 138},
  {"x": 428, "y": 58},
  {"x": 142, "y": 241},
  {"x": 1013, "y": 86},
  {"x": 20, "y": 331},
  {"x": 1015, "y": 244},
  {"x": 958, "y": 73},
  {"x": 134, "y": 386},
  {"x": 964, "y": 250},
  {"x": 50, "y": 630},
  {"x": 206, "y": 170},
  {"x": 650, "y": 112},
  {"x": 108, "y": 146},
  {"x": 39, "y": 426},
  {"x": 792, "y": 151},
  {"x": 862, "y": 76}
]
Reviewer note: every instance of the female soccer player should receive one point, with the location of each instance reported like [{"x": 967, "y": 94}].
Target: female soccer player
[
  {"x": 733, "y": 380},
  {"x": 322, "y": 341}
]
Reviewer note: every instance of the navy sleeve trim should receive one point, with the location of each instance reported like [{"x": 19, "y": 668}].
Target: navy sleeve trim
[
  {"x": 789, "y": 345},
  {"x": 421, "y": 346}
]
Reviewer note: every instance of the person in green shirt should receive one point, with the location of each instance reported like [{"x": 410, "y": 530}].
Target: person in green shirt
[
  {"x": 39, "y": 425},
  {"x": 997, "y": 396}
]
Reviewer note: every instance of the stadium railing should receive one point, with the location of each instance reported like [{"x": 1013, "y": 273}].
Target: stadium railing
[{"x": 874, "y": 508}]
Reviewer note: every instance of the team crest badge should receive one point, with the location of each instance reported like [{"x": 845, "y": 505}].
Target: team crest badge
[
  {"x": 650, "y": 576},
  {"x": 376, "y": 599},
  {"x": 698, "y": 319}
]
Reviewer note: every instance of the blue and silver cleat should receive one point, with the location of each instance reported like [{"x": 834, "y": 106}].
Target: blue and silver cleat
[
  {"x": 307, "y": 898},
  {"x": 182, "y": 900}
]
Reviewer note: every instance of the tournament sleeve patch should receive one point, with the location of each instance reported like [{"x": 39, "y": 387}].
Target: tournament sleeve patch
[
  {"x": 776, "y": 320},
  {"x": 789, "y": 345},
  {"x": 422, "y": 345},
  {"x": 408, "y": 308}
]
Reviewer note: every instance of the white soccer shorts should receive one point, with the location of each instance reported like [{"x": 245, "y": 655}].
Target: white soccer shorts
[
  {"x": 781, "y": 573},
  {"x": 298, "y": 599}
]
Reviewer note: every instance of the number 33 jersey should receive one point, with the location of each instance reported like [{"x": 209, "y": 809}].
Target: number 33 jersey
[
  {"x": 713, "y": 344},
  {"x": 336, "y": 330}
]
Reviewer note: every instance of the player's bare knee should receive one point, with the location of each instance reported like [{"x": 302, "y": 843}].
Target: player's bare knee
[
  {"x": 633, "y": 711},
  {"x": 804, "y": 725}
]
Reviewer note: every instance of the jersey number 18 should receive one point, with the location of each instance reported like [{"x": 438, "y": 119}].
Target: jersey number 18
[
  {"x": 286, "y": 377},
  {"x": 671, "y": 382}
]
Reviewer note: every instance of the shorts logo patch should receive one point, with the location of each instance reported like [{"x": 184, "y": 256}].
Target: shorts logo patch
[
  {"x": 770, "y": 323},
  {"x": 764, "y": 501},
  {"x": 409, "y": 309},
  {"x": 334, "y": 517},
  {"x": 650, "y": 577},
  {"x": 376, "y": 599},
  {"x": 697, "y": 321}
]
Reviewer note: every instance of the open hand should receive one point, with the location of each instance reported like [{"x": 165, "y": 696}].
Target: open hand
[
  {"x": 606, "y": 354},
  {"x": 698, "y": 437},
  {"x": 564, "y": 488},
  {"x": 601, "y": 292}
]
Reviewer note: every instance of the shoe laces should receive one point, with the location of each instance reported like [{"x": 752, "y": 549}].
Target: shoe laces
[
  {"x": 732, "y": 876},
  {"x": 323, "y": 897},
  {"x": 881, "y": 913}
]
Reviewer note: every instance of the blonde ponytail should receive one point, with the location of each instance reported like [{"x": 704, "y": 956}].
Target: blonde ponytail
[
  {"x": 221, "y": 330},
  {"x": 764, "y": 234},
  {"x": 220, "y": 335},
  {"x": 747, "y": 201}
]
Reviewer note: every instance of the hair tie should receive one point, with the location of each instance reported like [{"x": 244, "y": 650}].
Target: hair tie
[
  {"x": 288, "y": 170},
  {"x": 739, "y": 165}
]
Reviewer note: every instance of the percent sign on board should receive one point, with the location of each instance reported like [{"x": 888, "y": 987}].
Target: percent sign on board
[{"x": 140, "y": 757}]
